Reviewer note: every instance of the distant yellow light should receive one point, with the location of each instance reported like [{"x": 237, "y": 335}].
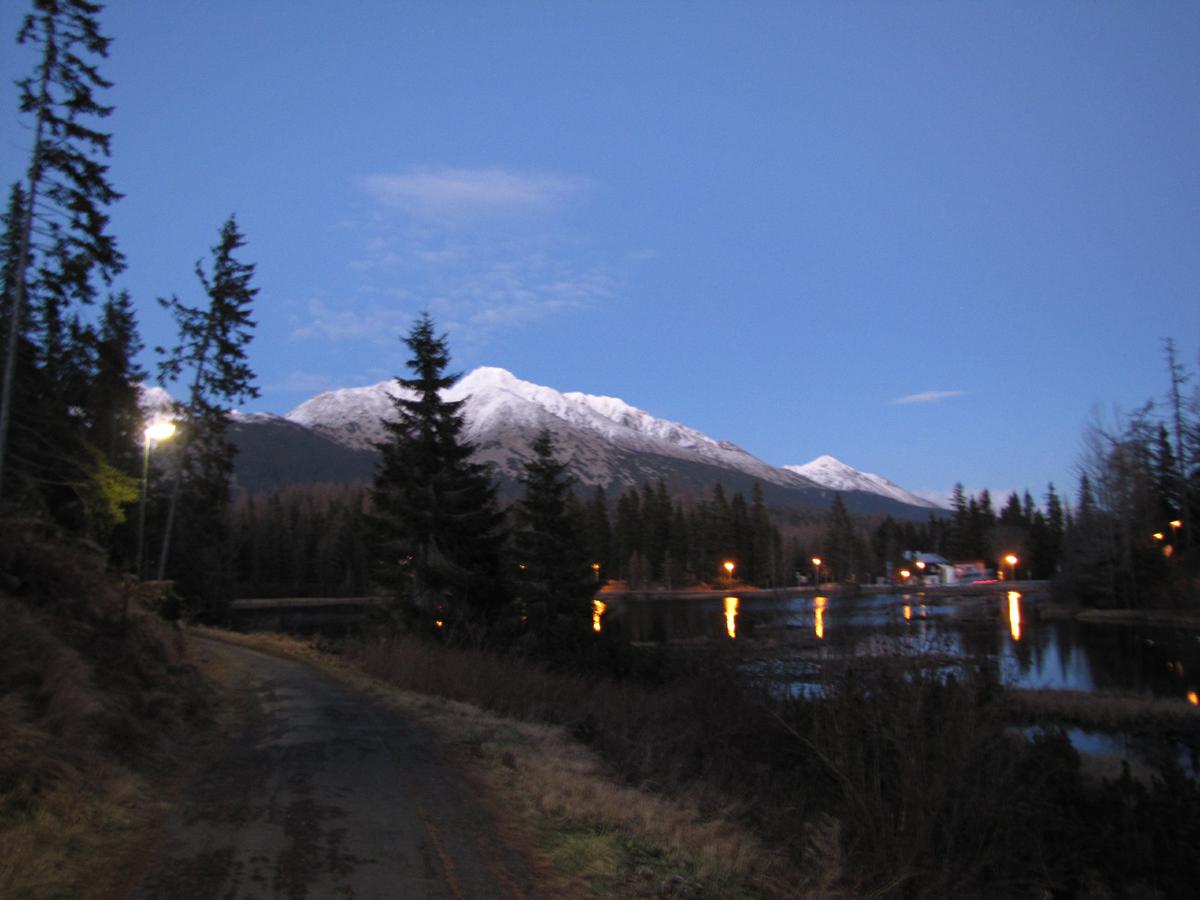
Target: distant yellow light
[
  {"x": 907, "y": 613},
  {"x": 439, "y": 623},
  {"x": 816, "y": 561},
  {"x": 160, "y": 431},
  {"x": 1193, "y": 698},
  {"x": 731, "y": 612},
  {"x": 904, "y": 573},
  {"x": 1158, "y": 535},
  {"x": 1011, "y": 559},
  {"x": 920, "y": 564},
  {"x": 598, "y": 608},
  {"x": 1176, "y": 523}
]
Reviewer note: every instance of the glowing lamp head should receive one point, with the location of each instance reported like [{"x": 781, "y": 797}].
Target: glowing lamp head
[
  {"x": 904, "y": 573},
  {"x": 1176, "y": 523},
  {"x": 920, "y": 564},
  {"x": 159, "y": 431},
  {"x": 1011, "y": 559},
  {"x": 1158, "y": 535},
  {"x": 816, "y": 561},
  {"x": 728, "y": 566}
]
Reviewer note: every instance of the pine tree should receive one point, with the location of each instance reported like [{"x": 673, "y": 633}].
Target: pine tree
[
  {"x": 959, "y": 543},
  {"x": 1056, "y": 526},
  {"x": 556, "y": 584},
  {"x": 438, "y": 530},
  {"x": 841, "y": 542},
  {"x": 761, "y": 558},
  {"x": 599, "y": 533},
  {"x": 1179, "y": 378},
  {"x": 62, "y": 241},
  {"x": 116, "y": 417},
  {"x": 211, "y": 353}
]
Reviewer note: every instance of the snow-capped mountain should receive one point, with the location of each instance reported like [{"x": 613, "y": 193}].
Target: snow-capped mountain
[
  {"x": 604, "y": 441},
  {"x": 836, "y": 475},
  {"x": 599, "y": 436}
]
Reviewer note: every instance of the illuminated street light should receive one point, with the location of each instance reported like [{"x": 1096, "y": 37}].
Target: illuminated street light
[
  {"x": 1176, "y": 524},
  {"x": 1012, "y": 561},
  {"x": 596, "y": 569},
  {"x": 156, "y": 432},
  {"x": 816, "y": 561},
  {"x": 1158, "y": 535},
  {"x": 728, "y": 567}
]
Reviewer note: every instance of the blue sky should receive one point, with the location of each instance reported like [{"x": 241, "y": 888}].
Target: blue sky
[{"x": 774, "y": 222}]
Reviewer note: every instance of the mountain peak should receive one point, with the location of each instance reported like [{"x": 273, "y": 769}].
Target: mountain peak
[
  {"x": 605, "y": 439},
  {"x": 486, "y": 377},
  {"x": 830, "y": 472}
]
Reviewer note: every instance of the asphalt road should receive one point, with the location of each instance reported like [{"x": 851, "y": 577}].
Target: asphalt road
[{"x": 319, "y": 792}]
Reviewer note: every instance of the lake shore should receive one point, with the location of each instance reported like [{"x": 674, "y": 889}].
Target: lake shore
[{"x": 1184, "y": 619}]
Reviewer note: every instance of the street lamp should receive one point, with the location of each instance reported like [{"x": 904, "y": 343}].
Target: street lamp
[
  {"x": 728, "y": 567},
  {"x": 155, "y": 432},
  {"x": 1012, "y": 561},
  {"x": 816, "y": 561}
]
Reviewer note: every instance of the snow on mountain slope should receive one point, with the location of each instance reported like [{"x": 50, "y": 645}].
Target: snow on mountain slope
[
  {"x": 836, "y": 475},
  {"x": 502, "y": 412},
  {"x": 154, "y": 402}
]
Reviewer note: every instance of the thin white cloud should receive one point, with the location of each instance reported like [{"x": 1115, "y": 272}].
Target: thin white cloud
[
  {"x": 349, "y": 322},
  {"x": 456, "y": 195},
  {"x": 927, "y": 397},
  {"x": 481, "y": 249}
]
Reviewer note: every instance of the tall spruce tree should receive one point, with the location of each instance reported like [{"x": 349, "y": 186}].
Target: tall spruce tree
[
  {"x": 438, "y": 530},
  {"x": 555, "y": 583},
  {"x": 211, "y": 354},
  {"x": 840, "y": 548},
  {"x": 62, "y": 242},
  {"x": 114, "y": 392}
]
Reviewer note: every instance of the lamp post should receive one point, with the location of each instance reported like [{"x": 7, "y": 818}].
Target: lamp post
[
  {"x": 155, "y": 431},
  {"x": 728, "y": 567},
  {"x": 816, "y": 561},
  {"x": 1012, "y": 561}
]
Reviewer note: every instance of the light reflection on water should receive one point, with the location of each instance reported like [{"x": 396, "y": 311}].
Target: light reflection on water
[
  {"x": 1002, "y": 626},
  {"x": 1014, "y": 615}
]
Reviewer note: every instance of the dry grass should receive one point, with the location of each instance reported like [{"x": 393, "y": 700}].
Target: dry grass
[
  {"x": 1123, "y": 712},
  {"x": 90, "y": 703},
  {"x": 595, "y": 835}
]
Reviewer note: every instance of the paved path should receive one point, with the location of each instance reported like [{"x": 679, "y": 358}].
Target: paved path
[{"x": 322, "y": 793}]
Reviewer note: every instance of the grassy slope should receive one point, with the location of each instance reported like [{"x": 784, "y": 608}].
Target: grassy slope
[{"x": 92, "y": 704}]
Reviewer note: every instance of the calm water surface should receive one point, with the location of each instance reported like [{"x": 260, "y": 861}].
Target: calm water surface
[{"x": 1001, "y": 626}]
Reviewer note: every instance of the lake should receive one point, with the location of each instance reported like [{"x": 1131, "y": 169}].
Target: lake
[{"x": 1003, "y": 626}]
